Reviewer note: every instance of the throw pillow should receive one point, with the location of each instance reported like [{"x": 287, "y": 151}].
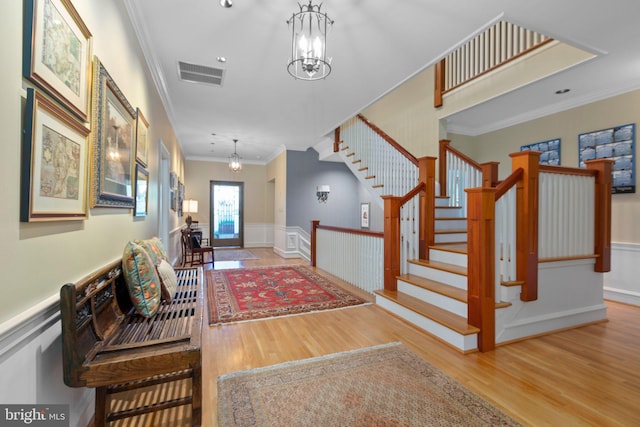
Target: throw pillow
[
  {"x": 142, "y": 279},
  {"x": 154, "y": 248},
  {"x": 168, "y": 280}
]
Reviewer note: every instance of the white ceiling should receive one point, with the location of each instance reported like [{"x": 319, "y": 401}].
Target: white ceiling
[{"x": 376, "y": 45}]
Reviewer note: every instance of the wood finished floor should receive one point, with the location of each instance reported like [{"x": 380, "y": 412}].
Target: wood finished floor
[{"x": 589, "y": 376}]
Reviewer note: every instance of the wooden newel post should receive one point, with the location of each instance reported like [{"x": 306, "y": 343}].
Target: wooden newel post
[
  {"x": 481, "y": 264},
  {"x": 427, "y": 175},
  {"x": 527, "y": 222},
  {"x": 314, "y": 228},
  {"x": 336, "y": 140},
  {"x": 391, "y": 241},
  {"x": 602, "y": 232},
  {"x": 490, "y": 174}
]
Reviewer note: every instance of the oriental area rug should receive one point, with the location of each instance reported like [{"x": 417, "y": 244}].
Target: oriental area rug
[
  {"x": 243, "y": 294},
  {"x": 385, "y": 385}
]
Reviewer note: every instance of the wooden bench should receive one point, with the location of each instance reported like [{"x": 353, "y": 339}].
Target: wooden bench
[{"x": 107, "y": 345}]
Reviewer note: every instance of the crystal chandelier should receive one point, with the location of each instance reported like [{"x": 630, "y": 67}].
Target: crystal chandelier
[
  {"x": 234, "y": 159},
  {"x": 309, "y": 43}
]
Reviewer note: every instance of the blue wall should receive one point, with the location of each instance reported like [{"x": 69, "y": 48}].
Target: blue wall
[{"x": 342, "y": 209}]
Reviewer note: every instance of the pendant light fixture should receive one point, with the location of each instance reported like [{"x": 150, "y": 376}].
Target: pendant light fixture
[
  {"x": 234, "y": 160},
  {"x": 309, "y": 43}
]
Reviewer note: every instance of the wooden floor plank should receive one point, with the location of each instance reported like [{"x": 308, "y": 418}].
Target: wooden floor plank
[{"x": 588, "y": 376}]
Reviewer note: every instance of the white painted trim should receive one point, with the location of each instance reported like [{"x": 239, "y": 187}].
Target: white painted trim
[
  {"x": 621, "y": 283},
  {"x": 27, "y": 321},
  {"x": 550, "y": 322}
]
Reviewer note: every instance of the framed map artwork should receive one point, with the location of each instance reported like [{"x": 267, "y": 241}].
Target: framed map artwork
[
  {"x": 57, "y": 53},
  {"x": 54, "y": 163}
]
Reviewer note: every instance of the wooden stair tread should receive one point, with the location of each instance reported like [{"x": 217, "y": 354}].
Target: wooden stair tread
[
  {"x": 451, "y": 219},
  {"x": 450, "y": 231},
  {"x": 456, "y": 247},
  {"x": 446, "y": 318},
  {"x": 377, "y": 186},
  {"x": 363, "y": 169},
  {"x": 437, "y": 287},
  {"x": 370, "y": 177},
  {"x": 438, "y": 265}
]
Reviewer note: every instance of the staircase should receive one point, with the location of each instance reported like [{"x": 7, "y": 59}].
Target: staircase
[
  {"x": 433, "y": 294},
  {"x": 509, "y": 285}
]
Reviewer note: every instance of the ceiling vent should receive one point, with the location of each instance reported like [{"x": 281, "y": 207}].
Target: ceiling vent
[{"x": 200, "y": 73}]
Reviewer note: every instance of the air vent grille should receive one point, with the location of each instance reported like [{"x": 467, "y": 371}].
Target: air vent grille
[{"x": 200, "y": 73}]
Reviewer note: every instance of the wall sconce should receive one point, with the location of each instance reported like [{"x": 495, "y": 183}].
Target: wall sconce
[
  {"x": 189, "y": 206},
  {"x": 322, "y": 191}
]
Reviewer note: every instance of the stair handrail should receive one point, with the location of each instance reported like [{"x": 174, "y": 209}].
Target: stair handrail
[
  {"x": 379, "y": 162},
  {"x": 389, "y": 140}
]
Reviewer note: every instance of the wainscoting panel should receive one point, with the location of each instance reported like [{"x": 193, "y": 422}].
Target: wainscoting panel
[{"x": 621, "y": 283}]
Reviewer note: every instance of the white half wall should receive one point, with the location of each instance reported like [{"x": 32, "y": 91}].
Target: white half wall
[
  {"x": 569, "y": 294},
  {"x": 31, "y": 363},
  {"x": 622, "y": 283}
]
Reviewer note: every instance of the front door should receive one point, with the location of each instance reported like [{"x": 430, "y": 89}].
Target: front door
[{"x": 227, "y": 218}]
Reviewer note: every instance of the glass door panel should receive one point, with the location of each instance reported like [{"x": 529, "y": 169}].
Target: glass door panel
[{"x": 227, "y": 222}]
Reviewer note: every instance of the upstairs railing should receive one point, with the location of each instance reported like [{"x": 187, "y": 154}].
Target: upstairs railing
[
  {"x": 562, "y": 213},
  {"x": 383, "y": 163},
  {"x": 494, "y": 47}
]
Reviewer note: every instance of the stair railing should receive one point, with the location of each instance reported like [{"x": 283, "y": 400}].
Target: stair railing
[
  {"x": 457, "y": 173},
  {"x": 561, "y": 213},
  {"x": 409, "y": 224},
  {"x": 355, "y": 256},
  {"x": 372, "y": 154}
]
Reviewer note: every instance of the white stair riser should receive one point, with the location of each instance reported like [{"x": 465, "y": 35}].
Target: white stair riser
[
  {"x": 462, "y": 342},
  {"x": 451, "y": 279},
  {"x": 448, "y": 213},
  {"x": 510, "y": 293},
  {"x": 442, "y": 202},
  {"x": 450, "y": 237},
  {"x": 450, "y": 224},
  {"x": 433, "y": 298},
  {"x": 448, "y": 257}
]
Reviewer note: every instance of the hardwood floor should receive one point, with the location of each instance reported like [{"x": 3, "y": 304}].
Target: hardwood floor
[{"x": 589, "y": 376}]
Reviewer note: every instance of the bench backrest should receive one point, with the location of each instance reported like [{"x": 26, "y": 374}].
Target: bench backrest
[{"x": 91, "y": 310}]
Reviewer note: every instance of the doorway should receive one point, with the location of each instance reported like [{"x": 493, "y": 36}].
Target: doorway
[{"x": 227, "y": 216}]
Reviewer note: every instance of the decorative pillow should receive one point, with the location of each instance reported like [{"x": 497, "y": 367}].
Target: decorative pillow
[
  {"x": 142, "y": 279},
  {"x": 168, "y": 280},
  {"x": 154, "y": 248}
]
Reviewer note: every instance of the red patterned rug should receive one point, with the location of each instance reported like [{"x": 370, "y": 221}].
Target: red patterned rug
[{"x": 256, "y": 293}]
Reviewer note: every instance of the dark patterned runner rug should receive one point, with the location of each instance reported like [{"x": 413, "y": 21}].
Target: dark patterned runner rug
[
  {"x": 236, "y": 295},
  {"x": 385, "y": 385}
]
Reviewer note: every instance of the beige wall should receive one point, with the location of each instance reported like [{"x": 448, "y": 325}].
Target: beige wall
[
  {"x": 258, "y": 193},
  {"x": 407, "y": 113},
  {"x": 615, "y": 111},
  {"x": 38, "y": 258}
]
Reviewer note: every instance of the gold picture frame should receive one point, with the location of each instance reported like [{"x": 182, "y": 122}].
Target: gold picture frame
[
  {"x": 57, "y": 53},
  {"x": 142, "y": 139},
  {"x": 113, "y": 144},
  {"x": 54, "y": 163},
  {"x": 142, "y": 191}
]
